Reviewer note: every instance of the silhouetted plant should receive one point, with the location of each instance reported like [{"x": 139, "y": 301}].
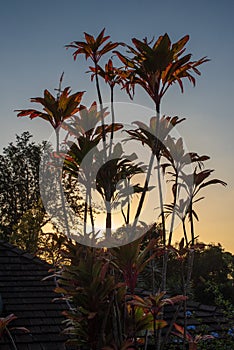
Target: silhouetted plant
[{"x": 100, "y": 284}]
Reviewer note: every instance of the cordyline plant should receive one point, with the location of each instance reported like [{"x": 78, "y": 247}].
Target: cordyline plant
[
  {"x": 56, "y": 110},
  {"x": 155, "y": 67},
  {"x": 112, "y": 76},
  {"x": 100, "y": 285},
  {"x": 192, "y": 341},
  {"x": 6, "y": 329},
  {"x": 82, "y": 157},
  {"x": 94, "y": 49},
  {"x": 154, "y": 305}
]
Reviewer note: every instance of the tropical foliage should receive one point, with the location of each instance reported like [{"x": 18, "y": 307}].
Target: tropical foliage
[{"x": 99, "y": 280}]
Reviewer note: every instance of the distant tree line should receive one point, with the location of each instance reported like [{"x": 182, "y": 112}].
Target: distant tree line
[{"x": 22, "y": 214}]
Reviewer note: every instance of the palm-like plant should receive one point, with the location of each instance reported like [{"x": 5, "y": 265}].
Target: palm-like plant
[
  {"x": 131, "y": 259},
  {"x": 89, "y": 285},
  {"x": 146, "y": 135},
  {"x": 154, "y": 304},
  {"x": 94, "y": 49},
  {"x": 193, "y": 341},
  {"x": 4, "y": 328},
  {"x": 112, "y": 76},
  {"x": 84, "y": 159},
  {"x": 178, "y": 159},
  {"x": 55, "y": 111},
  {"x": 194, "y": 184},
  {"x": 155, "y": 67},
  {"x": 116, "y": 171}
]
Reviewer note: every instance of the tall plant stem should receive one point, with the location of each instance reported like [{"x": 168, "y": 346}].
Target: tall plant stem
[
  {"x": 191, "y": 220},
  {"x": 186, "y": 289},
  {"x": 128, "y": 204},
  {"x": 185, "y": 304},
  {"x": 91, "y": 210},
  {"x": 174, "y": 211},
  {"x": 190, "y": 268},
  {"x": 118, "y": 320},
  {"x": 127, "y": 215},
  {"x": 185, "y": 231},
  {"x": 165, "y": 257},
  {"x": 143, "y": 194},
  {"x": 61, "y": 188},
  {"x": 85, "y": 213},
  {"x": 112, "y": 119},
  {"x": 101, "y": 107},
  {"x": 173, "y": 320},
  {"x": 134, "y": 324},
  {"x": 108, "y": 219},
  {"x": 161, "y": 201},
  {"x": 155, "y": 333},
  {"x": 11, "y": 339}
]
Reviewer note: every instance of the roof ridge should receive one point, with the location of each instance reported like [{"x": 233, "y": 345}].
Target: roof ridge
[{"x": 24, "y": 253}]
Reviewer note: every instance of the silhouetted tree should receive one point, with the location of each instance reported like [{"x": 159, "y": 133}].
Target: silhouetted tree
[{"x": 19, "y": 186}]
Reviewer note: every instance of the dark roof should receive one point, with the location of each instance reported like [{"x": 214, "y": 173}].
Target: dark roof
[
  {"x": 31, "y": 300},
  {"x": 202, "y": 318}
]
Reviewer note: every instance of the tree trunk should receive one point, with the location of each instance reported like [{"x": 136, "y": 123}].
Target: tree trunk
[{"x": 192, "y": 346}]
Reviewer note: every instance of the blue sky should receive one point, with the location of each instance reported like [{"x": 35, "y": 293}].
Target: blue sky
[{"x": 32, "y": 39}]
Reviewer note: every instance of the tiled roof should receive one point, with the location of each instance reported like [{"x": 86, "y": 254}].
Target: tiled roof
[
  {"x": 204, "y": 318},
  {"x": 30, "y": 299},
  {"x": 200, "y": 318}
]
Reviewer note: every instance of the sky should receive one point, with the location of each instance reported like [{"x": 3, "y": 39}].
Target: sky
[{"x": 32, "y": 39}]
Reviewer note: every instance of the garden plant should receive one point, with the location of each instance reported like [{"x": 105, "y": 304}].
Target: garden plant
[{"x": 101, "y": 266}]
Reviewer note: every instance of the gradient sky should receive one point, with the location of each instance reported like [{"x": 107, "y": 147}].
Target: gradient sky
[{"x": 32, "y": 39}]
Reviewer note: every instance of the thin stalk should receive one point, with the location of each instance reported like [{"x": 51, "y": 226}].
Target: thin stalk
[
  {"x": 103, "y": 327},
  {"x": 134, "y": 324},
  {"x": 118, "y": 318},
  {"x": 155, "y": 333},
  {"x": 161, "y": 201},
  {"x": 91, "y": 210},
  {"x": 191, "y": 222},
  {"x": 143, "y": 194},
  {"x": 127, "y": 215},
  {"x": 85, "y": 213},
  {"x": 146, "y": 339},
  {"x": 185, "y": 307},
  {"x": 173, "y": 320},
  {"x": 61, "y": 188},
  {"x": 124, "y": 216},
  {"x": 101, "y": 107},
  {"x": 112, "y": 119},
  {"x": 174, "y": 210},
  {"x": 185, "y": 231},
  {"x": 108, "y": 219},
  {"x": 11, "y": 339},
  {"x": 125, "y": 311},
  {"x": 190, "y": 268},
  {"x": 186, "y": 288},
  {"x": 164, "y": 270},
  {"x": 128, "y": 206},
  {"x": 165, "y": 257}
]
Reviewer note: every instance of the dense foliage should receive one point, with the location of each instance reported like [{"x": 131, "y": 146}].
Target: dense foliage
[
  {"x": 21, "y": 210},
  {"x": 99, "y": 280}
]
